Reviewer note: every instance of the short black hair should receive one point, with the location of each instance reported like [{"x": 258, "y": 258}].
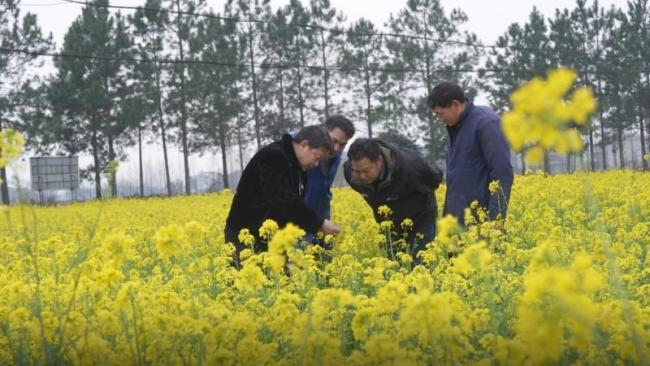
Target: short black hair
[
  {"x": 444, "y": 93},
  {"x": 364, "y": 148},
  {"x": 317, "y": 137},
  {"x": 341, "y": 122}
]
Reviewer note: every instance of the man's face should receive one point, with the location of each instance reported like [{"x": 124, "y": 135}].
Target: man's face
[
  {"x": 339, "y": 140},
  {"x": 308, "y": 157},
  {"x": 449, "y": 115},
  {"x": 366, "y": 170}
]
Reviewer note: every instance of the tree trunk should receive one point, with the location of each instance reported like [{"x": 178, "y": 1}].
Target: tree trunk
[
  {"x": 239, "y": 145},
  {"x": 163, "y": 132},
  {"x": 633, "y": 157},
  {"x": 258, "y": 135},
  {"x": 283, "y": 121},
  {"x": 523, "y": 163},
  {"x": 224, "y": 160},
  {"x": 113, "y": 174},
  {"x": 4, "y": 187},
  {"x": 621, "y": 152},
  {"x": 368, "y": 106},
  {"x": 325, "y": 75},
  {"x": 98, "y": 177},
  {"x": 643, "y": 146},
  {"x": 183, "y": 106},
  {"x": 547, "y": 163},
  {"x": 427, "y": 85},
  {"x": 603, "y": 147},
  {"x": 602, "y": 130},
  {"x": 141, "y": 172},
  {"x": 646, "y": 108},
  {"x": 301, "y": 102},
  {"x": 647, "y": 163},
  {"x": 432, "y": 145},
  {"x": 592, "y": 161}
]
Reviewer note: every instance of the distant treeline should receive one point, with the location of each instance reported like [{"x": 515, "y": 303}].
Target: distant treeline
[{"x": 203, "y": 80}]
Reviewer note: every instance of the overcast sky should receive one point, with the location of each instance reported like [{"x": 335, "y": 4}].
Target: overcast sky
[{"x": 488, "y": 19}]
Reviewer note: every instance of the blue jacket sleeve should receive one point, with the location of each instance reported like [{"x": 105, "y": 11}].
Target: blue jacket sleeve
[
  {"x": 318, "y": 192},
  {"x": 331, "y": 174},
  {"x": 497, "y": 157},
  {"x": 313, "y": 189}
]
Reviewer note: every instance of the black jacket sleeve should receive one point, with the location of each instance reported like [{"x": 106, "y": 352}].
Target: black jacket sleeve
[
  {"x": 427, "y": 175},
  {"x": 278, "y": 190}
]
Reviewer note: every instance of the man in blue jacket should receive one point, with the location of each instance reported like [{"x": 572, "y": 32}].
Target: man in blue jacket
[
  {"x": 318, "y": 192},
  {"x": 477, "y": 153}
]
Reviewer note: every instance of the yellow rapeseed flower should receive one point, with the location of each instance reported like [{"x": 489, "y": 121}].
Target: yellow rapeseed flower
[
  {"x": 494, "y": 186},
  {"x": 384, "y": 211},
  {"x": 170, "y": 240},
  {"x": 283, "y": 241},
  {"x": 19, "y": 317},
  {"x": 11, "y": 145},
  {"x": 447, "y": 227},
  {"x": 250, "y": 277},
  {"x": 119, "y": 247},
  {"x": 535, "y": 155},
  {"x": 474, "y": 257},
  {"x": 245, "y": 237},
  {"x": 542, "y": 113},
  {"x": 386, "y": 225},
  {"x": 548, "y": 286},
  {"x": 268, "y": 229},
  {"x": 583, "y": 104},
  {"x": 407, "y": 224}
]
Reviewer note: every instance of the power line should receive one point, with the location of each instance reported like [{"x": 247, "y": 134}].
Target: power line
[
  {"x": 39, "y": 5},
  {"x": 290, "y": 66},
  {"x": 297, "y": 25},
  {"x": 285, "y": 66}
]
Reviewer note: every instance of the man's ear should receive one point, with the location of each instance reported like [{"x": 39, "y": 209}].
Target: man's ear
[{"x": 380, "y": 159}]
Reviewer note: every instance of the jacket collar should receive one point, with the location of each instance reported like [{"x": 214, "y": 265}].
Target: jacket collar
[
  {"x": 287, "y": 146},
  {"x": 329, "y": 166},
  {"x": 468, "y": 108},
  {"x": 386, "y": 174}
]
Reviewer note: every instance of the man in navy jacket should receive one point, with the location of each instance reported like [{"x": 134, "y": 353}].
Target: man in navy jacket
[
  {"x": 477, "y": 153},
  {"x": 318, "y": 192}
]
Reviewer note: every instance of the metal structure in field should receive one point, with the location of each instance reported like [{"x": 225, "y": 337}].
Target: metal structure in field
[{"x": 54, "y": 173}]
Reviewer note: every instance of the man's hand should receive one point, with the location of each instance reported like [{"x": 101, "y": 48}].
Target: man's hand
[{"x": 330, "y": 228}]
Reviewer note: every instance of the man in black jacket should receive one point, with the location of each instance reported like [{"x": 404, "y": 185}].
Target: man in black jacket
[
  {"x": 272, "y": 187},
  {"x": 401, "y": 179}
]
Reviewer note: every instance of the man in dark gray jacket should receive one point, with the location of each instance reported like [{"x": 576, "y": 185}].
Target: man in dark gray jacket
[
  {"x": 477, "y": 153},
  {"x": 399, "y": 178}
]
